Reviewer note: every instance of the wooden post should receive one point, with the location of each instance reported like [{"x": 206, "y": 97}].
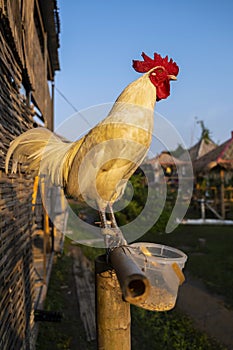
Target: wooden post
[
  {"x": 112, "y": 313},
  {"x": 222, "y": 194},
  {"x": 117, "y": 285},
  {"x": 45, "y": 243},
  {"x": 35, "y": 190},
  {"x": 203, "y": 209},
  {"x": 46, "y": 229},
  {"x": 52, "y": 106}
]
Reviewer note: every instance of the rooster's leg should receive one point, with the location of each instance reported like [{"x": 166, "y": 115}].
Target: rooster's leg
[
  {"x": 115, "y": 227},
  {"x": 103, "y": 219},
  {"x": 112, "y": 234},
  {"x": 107, "y": 231}
]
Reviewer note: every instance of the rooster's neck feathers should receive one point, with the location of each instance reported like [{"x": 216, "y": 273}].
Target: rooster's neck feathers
[{"x": 140, "y": 92}]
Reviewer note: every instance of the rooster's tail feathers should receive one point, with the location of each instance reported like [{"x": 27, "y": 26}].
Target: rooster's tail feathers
[
  {"x": 25, "y": 145},
  {"x": 42, "y": 152}
]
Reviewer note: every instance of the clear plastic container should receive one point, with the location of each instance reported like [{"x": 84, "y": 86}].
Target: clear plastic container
[{"x": 163, "y": 266}]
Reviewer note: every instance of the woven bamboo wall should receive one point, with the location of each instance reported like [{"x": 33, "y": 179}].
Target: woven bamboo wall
[
  {"x": 16, "y": 218},
  {"x": 16, "y": 264},
  {"x": 16, "y": 224}
]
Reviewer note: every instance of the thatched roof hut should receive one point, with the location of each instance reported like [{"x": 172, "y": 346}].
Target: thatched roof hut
[
  {"x": 165, "y": 159},
  {"x": 221, "y": 156},
  {"x": 216, "y": 169}
]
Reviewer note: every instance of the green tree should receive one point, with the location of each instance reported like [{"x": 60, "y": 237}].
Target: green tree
[{"x": 205, "y": 132}]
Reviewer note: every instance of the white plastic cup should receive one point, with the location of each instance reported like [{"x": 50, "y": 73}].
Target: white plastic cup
[{"x": 163, "y": 266}]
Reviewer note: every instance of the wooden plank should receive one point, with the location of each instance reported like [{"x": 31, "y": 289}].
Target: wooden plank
[
  {"x": 15, "y": 21},
  {"x": 84, "y": 281},
  {"x": 2, "y": 7}
]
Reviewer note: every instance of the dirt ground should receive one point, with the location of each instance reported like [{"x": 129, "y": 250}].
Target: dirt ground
[{"x": 207, "y": 311}]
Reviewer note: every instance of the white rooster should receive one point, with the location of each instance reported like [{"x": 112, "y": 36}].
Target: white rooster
[{"x": 97, "y": 167}]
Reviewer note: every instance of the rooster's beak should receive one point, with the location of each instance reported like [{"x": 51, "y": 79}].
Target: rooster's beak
[{"x": 172, "y": 77}]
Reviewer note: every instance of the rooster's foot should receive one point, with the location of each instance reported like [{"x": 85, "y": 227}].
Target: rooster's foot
[{"x": 113, "y": 237}]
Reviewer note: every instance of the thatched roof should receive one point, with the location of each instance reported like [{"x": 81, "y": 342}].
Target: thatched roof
[
  {"x": 164, "y": 159},
  {"x": 220, "y": 156},
  {"x": 201, "y": 148}
]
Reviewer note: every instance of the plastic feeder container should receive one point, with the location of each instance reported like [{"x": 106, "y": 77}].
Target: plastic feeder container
[{"x": 163, "y": 267}]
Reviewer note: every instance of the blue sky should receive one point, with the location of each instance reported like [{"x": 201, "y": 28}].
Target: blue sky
[{"x": 99, "y": 40}]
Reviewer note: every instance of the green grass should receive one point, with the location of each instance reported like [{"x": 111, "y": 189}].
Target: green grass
[
  {"x": 167, "y": 331},
  {"x": 213, "y": 264}
]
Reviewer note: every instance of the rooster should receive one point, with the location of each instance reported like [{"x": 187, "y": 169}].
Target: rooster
[{"x": 96, "y": 168}]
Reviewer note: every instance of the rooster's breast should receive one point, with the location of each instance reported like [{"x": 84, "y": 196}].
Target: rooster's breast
[{"x": 110, "y": 154}]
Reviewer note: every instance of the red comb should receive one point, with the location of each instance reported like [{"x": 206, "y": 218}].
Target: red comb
[{"x": 149, "y": 63}]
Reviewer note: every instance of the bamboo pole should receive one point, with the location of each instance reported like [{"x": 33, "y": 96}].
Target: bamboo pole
[
  {"x": 117, "y": 285},
  {"x": 134, "y": 284}
]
